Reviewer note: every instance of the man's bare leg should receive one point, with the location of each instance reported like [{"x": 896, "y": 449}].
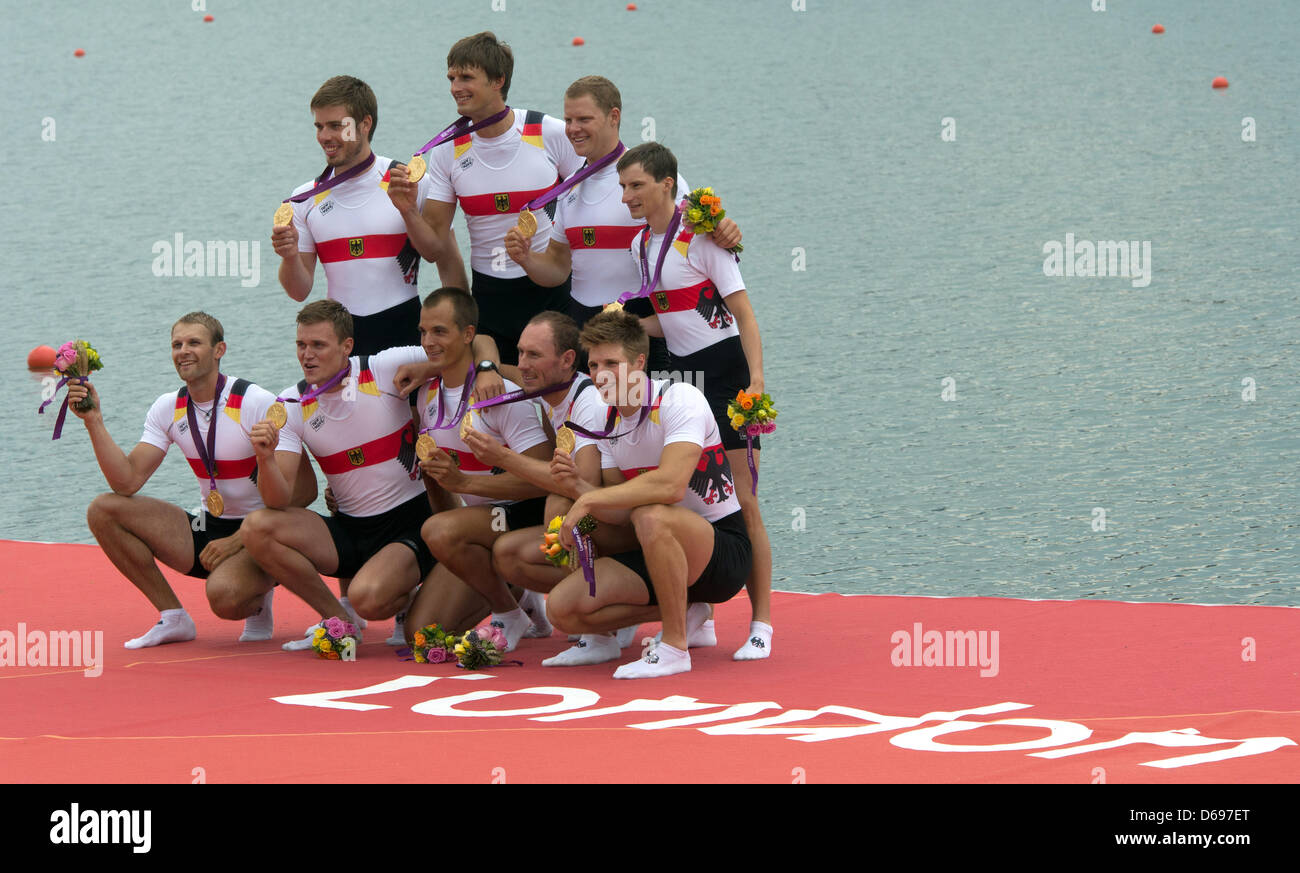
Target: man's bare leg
[{"x": 759, "y": 584}]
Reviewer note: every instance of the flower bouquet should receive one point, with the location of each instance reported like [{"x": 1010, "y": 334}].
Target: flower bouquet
[
  {"x": 752, "y": 414},
  {"x": 336, "y": 640},
  {"x": 555, "y": 553},
  {"x": 704, "y": 211},
  {"x": 77, "y": 359},
  {"x": 433, "y": 645},
  {"x": 480, "y": 648}
]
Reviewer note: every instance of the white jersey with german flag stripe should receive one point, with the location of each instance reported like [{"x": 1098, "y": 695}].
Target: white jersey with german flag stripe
[
  {"x": 359, "y": 237},
  {"x": 514, "y": 425},
  {"x": 492, "y": 179},
  {"x": 362, "y": 435},
  {"x": 167, "y": 423},
  {"x": 689, "y": 299},
  {"x": 679, "y": 414}
]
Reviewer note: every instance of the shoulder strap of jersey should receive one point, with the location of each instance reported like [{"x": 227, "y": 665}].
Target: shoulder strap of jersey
[{"x": 235, "y": 399}]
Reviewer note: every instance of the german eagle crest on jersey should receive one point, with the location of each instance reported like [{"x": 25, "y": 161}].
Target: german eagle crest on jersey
[
  {"x": 356, "y": 247},
  {"x": 712, "y": 479},
  {"x": 712, "y": 308}
]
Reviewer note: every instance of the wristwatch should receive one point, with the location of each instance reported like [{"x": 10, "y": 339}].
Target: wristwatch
[{"x": 487, "y": 366}]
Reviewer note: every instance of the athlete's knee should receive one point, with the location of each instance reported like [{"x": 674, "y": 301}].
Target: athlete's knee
[
  {"x": 258, "y": 529},
  {"x": 227, "y": 602},
  {"x": 366, "y": 601},
  {"x": 651, "y": 522},
  {"x": 102, "y": 510}
]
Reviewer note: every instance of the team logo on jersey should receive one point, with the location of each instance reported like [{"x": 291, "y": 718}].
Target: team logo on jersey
[
  {"x": 356, "y": 247},
  {"x": 326, "y": 207},
  {"x": 356, "y": 457},
  {"x": 712, "y": 479},
  {"x": 589, "y": 236},
  {"x": 503, "y": 202},
  {"x": 712, "y": 308},
  {"x": 661, "y": 300},
  {"x": 467, "y": 163}
]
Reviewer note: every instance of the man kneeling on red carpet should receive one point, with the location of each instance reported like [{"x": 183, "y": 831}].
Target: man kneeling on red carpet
[{"x": 665, "y": 473}]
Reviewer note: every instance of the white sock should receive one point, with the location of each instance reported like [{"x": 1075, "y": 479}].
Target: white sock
[
  {"x": 660, "y": 660},
  {"x": 260, "y": 626},
  {"x": 626, "y": 635},
  {"x": 759, "y": 644},
  {"x": 174, "y": 626},
  {"x": 589, "y": 649},
  {"x": 534, "y": 604},
  {"x": 513, "y": 624},
  {"x": 700, "y": 632},
  {"x": 399, "y": 623}
]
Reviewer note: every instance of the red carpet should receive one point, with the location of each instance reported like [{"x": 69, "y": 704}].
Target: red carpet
[{"x": 1084, "y": 691}]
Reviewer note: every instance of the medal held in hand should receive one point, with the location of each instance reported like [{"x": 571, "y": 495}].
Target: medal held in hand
[
  {"x": 276, "y": 414},
  {"x": 415, "y": 169},
  {"x": 527, "y": 223},
  {"x": 283, "y": 215},
  {"x": 564, "y": 440},
  {"x": 425, "y": 447},
  {"x": 466, "y": 425}
]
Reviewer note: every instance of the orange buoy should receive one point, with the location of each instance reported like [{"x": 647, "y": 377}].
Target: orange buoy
[
  {"x": 207, "y": 18},
  {"x": 631, "y": 7},
  {"x": 1159, "y": 28},
  {"x": 577, "y": 40},
  {"x": 79, "y": 53},
  {"x": 1219, "y": 82},
  {"x": 40, "y": 358}
]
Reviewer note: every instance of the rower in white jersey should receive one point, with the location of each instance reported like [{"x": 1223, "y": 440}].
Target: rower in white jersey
[
  {"x": 548, "y": 349},
  {"x": 465, "y": 587},
  {"x": 208, "y": 418},
  {"x": 592, "y": 228},
  {"x": 349, "y": 412},
  {"x": 665, "y": 474}
]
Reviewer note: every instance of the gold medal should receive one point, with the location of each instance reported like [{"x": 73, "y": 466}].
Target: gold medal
[
  {"x": 613, "y": 307},
  {"x": 216, "y": 505},
  {"x": 425, "y": 447},
  {"x": 275, "y": 413},
  {"x": 415, "y": 169},
  {"x": 283, "y": 215},
  {"x": 564, "y": 440},
  {"x": 466, "y": 425},
  {"x": 527, "y": 223}
]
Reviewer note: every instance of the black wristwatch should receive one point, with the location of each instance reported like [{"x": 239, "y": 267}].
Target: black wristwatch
[{"x": 487, "y": 366}]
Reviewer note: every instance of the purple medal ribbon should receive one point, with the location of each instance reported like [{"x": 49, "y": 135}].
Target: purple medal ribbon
[
  {"x": 749, "y": 456},
  {"x": 521, "y": 394},
  {"x": 577, "y": 177},
  {"x": 585, "y": 558},
  {"x": 460, "y": 127},
  {"x": 609, "y": 425},
  {"x": 649, "y": 282},
  {"x": 63, "y": 410},
  {"x": 208, "y": 457},
  {"x": 466, "y": 390},
  {"x": 323, "y": 186},
  {"x": 316, "y": 392}
]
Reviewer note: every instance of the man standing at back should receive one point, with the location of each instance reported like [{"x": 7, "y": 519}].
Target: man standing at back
[
  {"x": 358, "y": 229},
  {"x": 504, "y": 159}
]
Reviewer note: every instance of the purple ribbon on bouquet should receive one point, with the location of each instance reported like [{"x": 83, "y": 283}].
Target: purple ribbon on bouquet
[
  {"x": 460, "y": 127},
  {"x": 586, "y": 558},
  {"x": 322, "y": 186},
  {"x": 554, "y": 193},
  {"x": 63, "y": 410},
  {"x": 648, "y": 282},
  {"x": 749, "y": 456},
  {"x": 521, "y": 394}
]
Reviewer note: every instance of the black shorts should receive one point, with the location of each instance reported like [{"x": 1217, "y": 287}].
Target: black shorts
[
  {"x": 358, "y": 538},
  {"x": 211, "y": 528},
  {"x": 396, "y": 326},
  {"x": 727, "y": 571},
  {"x": 720, "y": 371},
  {"x": 659, "y": 359},
  {"x": 525, "y": 513},
  {"x": 505, "y": 306}
]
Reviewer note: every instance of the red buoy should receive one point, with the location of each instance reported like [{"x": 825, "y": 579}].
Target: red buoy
[
  {"x": 631, "y": 7},
  {"x": 79, "y": 53},
  {"x": 1219, "y": 82},
  {"x": 1159, "y": 28},
  {"x": 40, "y": 358},
  {"x": 207, "y": 18},
  {"x": 577, "y": 40}
]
